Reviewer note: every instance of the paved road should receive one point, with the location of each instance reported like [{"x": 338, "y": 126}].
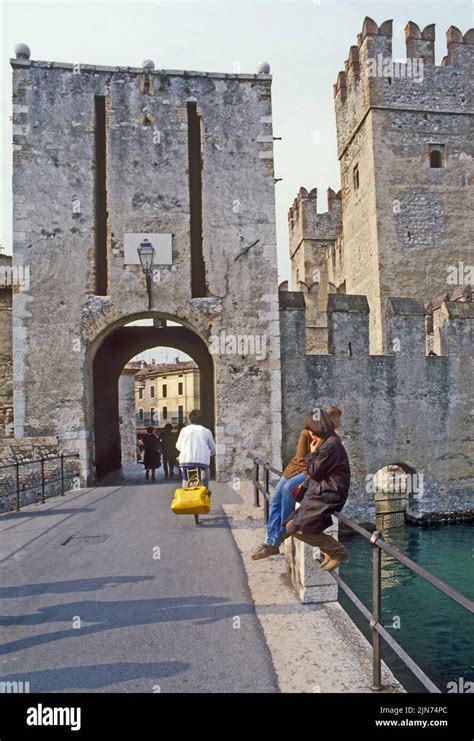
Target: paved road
[{"x": 107, "y": 615}]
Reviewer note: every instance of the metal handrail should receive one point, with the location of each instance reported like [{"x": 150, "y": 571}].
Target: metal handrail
[
  {"x": 374, "y": 618},
  {"x": 43, "y": 482}
]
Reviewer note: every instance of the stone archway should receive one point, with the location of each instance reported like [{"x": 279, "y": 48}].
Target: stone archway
[
  {"x": 392, "y": 486},
  {"x": 116, "y": 349}
]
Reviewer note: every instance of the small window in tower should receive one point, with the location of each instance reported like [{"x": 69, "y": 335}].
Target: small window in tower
[
  {"x": 152, "y": 392},
  {"x": 437, "y": 155},
  {"x": 355, "y": 176},
  {"x": 165, "y": 412},
  {"x": 164, "y": 391},
  {"x": 180, "y": 389}
]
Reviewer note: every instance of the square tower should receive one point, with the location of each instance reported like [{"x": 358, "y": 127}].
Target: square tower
[
  {"x": 406, "y": 149},
  {"x": 104, "y": 159}
]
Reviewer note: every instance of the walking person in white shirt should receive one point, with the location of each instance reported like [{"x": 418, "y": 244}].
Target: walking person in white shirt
[{"x": 196, "y": 445}]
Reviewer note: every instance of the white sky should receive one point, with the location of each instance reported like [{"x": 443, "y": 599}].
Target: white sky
[{"x": 305, "y": 42}]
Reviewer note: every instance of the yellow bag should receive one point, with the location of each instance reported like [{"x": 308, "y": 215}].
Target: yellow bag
[{"x": 193, "y": 499}]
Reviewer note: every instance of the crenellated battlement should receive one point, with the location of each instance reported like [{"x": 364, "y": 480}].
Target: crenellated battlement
[
  {"x": 372, "y": 78},
  {"x": 304, "y": 221},
  {"x": 407, "y": 332}
]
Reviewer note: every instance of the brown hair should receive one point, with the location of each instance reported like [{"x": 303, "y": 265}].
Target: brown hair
[
  {"x": 335, "y": 413},
  {"x": 319, "y": 422}
]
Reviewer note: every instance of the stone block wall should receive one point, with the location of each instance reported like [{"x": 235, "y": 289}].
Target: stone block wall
[
  {"x": 148, "y": 191},
  {"x": 405, "y": 409},
  {"x": 27, "y": 452}
]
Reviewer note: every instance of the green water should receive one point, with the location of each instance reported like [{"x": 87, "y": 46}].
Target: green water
[{"x": 436, "y": 632}]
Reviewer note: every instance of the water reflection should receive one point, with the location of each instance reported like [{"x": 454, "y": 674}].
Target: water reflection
[{"x": 436, "y": 632}]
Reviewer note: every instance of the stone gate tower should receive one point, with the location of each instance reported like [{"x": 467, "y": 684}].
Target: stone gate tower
[
  {"x": 104, "y": 158},
  {"x": 406, "y": 145}
]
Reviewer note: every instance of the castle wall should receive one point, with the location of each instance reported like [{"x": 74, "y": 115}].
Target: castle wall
[
  {"x": 405, "y": 408},
  {"x": 59, "y": 323}
]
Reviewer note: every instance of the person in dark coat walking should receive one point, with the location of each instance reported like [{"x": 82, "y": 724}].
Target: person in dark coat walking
[
  {"x": 152, "y": 458},
  {"x": 329, "y": 475},
  {"x": 168, "y": 446}
]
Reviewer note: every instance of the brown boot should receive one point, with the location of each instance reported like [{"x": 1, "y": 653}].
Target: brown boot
[
  {"x": 325, "y": 560},
  {"x": 265, "y": 552},
  {"x": 332, "y": 564}
]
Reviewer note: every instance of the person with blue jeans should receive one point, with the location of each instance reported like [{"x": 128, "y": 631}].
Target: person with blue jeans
[
  {"x": 282, "y": 503},
  {"x": 281, "y": 507}
]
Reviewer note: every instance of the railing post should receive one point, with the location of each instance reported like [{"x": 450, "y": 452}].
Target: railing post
[
  {"x": 376, "y": 612},
  {"x": 17, "y": 472},
  {"x": 266, "y": 504},
  {"x": 42, "y": 480},
  {"x": 62, "y": 474},
  {"x": 256, "y": 493}
]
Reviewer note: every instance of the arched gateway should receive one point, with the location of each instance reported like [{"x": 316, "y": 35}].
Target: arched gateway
[{"x": 116, "y": 349}]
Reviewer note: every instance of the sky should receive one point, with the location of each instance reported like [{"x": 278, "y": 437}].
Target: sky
[{"x": 305, "y": 42}]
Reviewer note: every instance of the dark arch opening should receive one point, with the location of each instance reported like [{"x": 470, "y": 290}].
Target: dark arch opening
[
  {"x": 436, "y": 159},
  {"x": 116, "y": 350}
]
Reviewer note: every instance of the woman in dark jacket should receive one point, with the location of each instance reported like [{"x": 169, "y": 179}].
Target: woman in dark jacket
[
  {"x": 152, "y": 458},
  {"x": 329, "y": 474}
]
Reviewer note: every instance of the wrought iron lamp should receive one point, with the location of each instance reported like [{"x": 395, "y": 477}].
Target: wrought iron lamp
[{"x": 146, "y": 254}]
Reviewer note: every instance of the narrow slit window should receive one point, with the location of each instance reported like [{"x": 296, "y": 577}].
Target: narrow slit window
[
  {"x": 100, "y": 205},
  {"x": 355, "y": 177},
  {"x": 437, "y": 156},
  {"x": 198, "y": 268}
]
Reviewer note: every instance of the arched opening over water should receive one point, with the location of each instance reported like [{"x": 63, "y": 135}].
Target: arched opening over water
[{"x": 392, "y": 486}]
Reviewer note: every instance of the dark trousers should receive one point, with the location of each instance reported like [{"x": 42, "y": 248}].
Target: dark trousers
[
  {"x": 325, "y": 542},
  {"x": 168, "y": 465}
]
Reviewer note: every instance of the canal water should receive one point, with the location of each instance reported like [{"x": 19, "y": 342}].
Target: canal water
[{"x": 436, "y": 632}]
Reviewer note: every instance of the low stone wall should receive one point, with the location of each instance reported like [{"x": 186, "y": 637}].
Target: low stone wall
[
  {"x": 22, "y": 457},
  {"x": 304, "y": 571}
]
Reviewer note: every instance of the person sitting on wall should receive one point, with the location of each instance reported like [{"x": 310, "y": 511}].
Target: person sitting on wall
[
  {"x": 282, "y": 503},
  {"x": 152, "y": 458},
  {"x": 195, "y": 445},
  {"x": 329, "y": 474}
]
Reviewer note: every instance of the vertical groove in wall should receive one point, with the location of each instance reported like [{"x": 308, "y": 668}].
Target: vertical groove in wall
[
  {"x": 198, "y": 268},
  {"x": 100, "y": 197}
]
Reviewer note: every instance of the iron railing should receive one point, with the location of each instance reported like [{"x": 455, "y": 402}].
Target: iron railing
[
  {"x": 374, "y": 618},
  {"x": 43, "y": 481}
]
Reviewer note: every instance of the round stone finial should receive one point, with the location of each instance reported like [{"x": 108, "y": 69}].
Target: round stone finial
[
  {"x": 22, "y": 51},
  {"x": 263, "y": 68},
  {"x": 148, "y": 64}
]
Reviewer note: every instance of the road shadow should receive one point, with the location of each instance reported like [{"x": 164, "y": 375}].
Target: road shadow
[
  {"x": 95, "y": 676},
  {"x": 98, "y": 616},
  {"x": 74, "y": 585}
]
